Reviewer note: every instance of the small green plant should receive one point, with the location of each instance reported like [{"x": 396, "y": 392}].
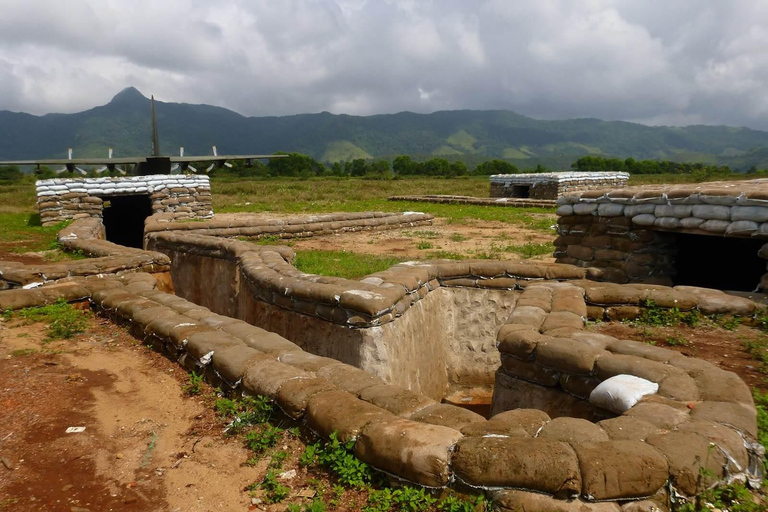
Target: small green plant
[
  {"x": 676, "y": 340},
  {"x": 656, "y": 316},
  {"x": 275, "y": 491},
  {"x": 150, "y": 448},
  {"x": 226, "y": 407},
  {"x": 731, "y": 323},
  {"x": 277, "y": 460},
  {"x": 310, "y": 455},
  {"x": 693, "y": 318},
  {"x": 338, "y": 493},
  {"x": 758, "y": 349},
  {"x": 23, "y": 352},
  {"x": 268, "y": 240},
  {"x": 261, "y": 440},
  {"x": 251, "y": 411},
  {"x": 530, "y": 249},
  {"x": 423, "y": 245},
  {"x": 63, "y": 320},
  {"x": 454, "y": 503},
  {"x": 379, "y": 501},
  {"x": 458, "y": 237},
  {"x": 340, "y": 459},
  {"x": 317, "y": 505},
  {"x": 412, "y": 499},
  {"x": 194, "y": 385},
  {"x": 425, "y": 233}
]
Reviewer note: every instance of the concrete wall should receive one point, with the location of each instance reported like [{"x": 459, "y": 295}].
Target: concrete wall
[{"x": 443, "y": 343}]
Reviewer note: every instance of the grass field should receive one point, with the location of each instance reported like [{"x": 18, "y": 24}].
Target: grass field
[{"x": 314, "y": 195}]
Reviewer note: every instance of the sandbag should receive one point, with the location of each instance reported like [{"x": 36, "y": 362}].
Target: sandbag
[{"x": 621, "y": 392}]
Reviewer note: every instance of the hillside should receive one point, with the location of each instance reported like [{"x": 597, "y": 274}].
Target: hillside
[{"x": 470, "y": 135}]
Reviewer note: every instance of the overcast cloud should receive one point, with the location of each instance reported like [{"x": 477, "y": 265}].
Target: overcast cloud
[{"x": 651, "y": 61}]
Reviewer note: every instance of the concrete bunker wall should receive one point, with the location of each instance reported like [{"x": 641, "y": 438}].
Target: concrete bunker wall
[{"x": 442, "y": 344}]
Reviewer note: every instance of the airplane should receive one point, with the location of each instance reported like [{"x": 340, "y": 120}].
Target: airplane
[{"x": 143, "y": 165}]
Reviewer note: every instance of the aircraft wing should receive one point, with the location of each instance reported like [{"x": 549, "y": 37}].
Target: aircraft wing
[
  {"x": 77, "y": 161},
  {"x": 209, "y": 158}
]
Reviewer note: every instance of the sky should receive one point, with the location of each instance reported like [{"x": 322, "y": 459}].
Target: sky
[{"x": 674, "y": 62}]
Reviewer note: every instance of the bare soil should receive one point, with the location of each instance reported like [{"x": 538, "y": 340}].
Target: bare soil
[
  {"x": 147, "y": 445},
  {"x": 719, "y": 346}
]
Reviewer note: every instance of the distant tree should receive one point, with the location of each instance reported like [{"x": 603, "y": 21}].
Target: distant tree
[
  {"x": 357, "y": 167},
  {"x": 10, "y": 173},
  {"x": 495, "y": 167},
  {"x": 295, "y": 164},
  {"x": 404, "y": 165}
]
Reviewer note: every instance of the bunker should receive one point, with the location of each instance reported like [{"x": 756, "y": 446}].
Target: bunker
[
  {"x": 124, "y": 217},
  {"x": 709, "y": 235},
  {"x": 131, "y": 198},
  {"x": 552, "y": 185}
]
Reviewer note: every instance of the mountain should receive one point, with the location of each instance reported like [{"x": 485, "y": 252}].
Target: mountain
[{"x": 469, "y": 135}]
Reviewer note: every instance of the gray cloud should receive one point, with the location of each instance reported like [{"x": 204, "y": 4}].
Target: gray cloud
[{"x": 654, "y": 61}]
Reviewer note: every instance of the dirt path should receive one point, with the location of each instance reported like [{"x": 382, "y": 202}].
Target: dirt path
[
  {"x": 441, "y": 240},
  {"x": 146, "y": 446}
]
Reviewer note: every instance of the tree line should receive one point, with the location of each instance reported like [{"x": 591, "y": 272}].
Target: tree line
[
  {"x": 303, "y": 166},
  {"x": 632, "y": 166}
]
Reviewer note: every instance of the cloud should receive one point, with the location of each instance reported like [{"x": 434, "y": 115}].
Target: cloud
[{"x": 651, "y": 61}]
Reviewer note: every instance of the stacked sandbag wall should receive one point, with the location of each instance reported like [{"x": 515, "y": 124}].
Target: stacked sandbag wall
[
  {"x": 699, "y": 429},
  {"x": 552, "y": 186},
  {"x": 61, "y": 199}
]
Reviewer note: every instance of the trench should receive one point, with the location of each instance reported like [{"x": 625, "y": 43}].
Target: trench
[
  {"x": 124, "y": 217},
  {"x": 718, "y": 262}
]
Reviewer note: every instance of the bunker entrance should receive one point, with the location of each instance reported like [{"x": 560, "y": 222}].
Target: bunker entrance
[
  {"x": 520, "y": 191},
  {"x": 718, "y": 262},
  {"x": 124, "y": 219}
]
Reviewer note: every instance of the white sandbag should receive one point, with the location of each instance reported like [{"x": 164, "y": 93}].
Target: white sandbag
[
  {"x": 584, "y": 208},
  {"x": 753, "y": 213},
  {"x": 715, "y": 226},
  {"x": 667, "y": 210},
  {"x": 610, "y": 210},
  {"x": 741, "y": 227},
  {"x": 644, "y": 219},
  {"x": 667, "y": 222},
  {"x": 564, "y": 210},
  {"x": 707, "y": 211},
  {"x": 691, "y": 222},
  {"x": 638, "y": 209},
  {"x": 621, "y": 392}
]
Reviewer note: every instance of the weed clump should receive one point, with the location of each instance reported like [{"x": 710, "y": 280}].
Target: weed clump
[{"x": 64, "y": 321}]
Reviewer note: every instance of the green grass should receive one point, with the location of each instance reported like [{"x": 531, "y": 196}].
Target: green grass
[
  {"x": 63, "y": 320},
  {"x": 349, "y": 265},
  {"x": 531, "y": 249},
  {"x": 323, "y": 195},
  {"x": 24, "y": 231}
]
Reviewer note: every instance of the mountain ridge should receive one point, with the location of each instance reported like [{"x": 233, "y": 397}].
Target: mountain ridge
[{"x": 469, "y": 135}]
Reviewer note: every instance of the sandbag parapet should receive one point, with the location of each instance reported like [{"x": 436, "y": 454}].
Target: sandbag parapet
[
  {"x": 545, "y": 349},
  {"x": 87, "y": 237},
  {"x": 629, "y": 232}
]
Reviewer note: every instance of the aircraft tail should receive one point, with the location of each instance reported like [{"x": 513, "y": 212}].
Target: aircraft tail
[{"x": 155, "y": 134}]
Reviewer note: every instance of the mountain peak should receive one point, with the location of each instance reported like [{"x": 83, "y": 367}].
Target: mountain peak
[{"x": 128, "y": 95}]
